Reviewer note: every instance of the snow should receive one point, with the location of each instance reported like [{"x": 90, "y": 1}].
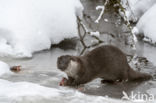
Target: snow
[
  {"x": 135, "y": 30},
  {"x": 147, "y": 24},
  {"x": 4, "y": 68},
  {"x": 143, "y": 11},
  {"x": 137, "y": 8},
  {"x": 102, "y": 11},
  {"x": 14, "y": 90},
  {"x": 27, "y": 26},
  {"x": 26, "y": 91},
  {"x": 106, "y": 20},
  {"x": 96, "y": 33}
]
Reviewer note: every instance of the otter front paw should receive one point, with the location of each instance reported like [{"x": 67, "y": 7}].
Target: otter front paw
[{"x": 68, "y": 82}]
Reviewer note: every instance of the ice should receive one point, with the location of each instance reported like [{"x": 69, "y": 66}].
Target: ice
[
  {"x": 4, "y": 68},
  {"x": 27, "y": 26},
  {"x": 41, "y": 71},
  {"x": 147, "y": 24}
]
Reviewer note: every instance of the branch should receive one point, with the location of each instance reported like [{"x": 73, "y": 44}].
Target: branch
[{"x": 82, "y": 37}]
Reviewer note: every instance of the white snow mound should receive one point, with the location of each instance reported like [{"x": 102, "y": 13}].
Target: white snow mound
[
  {"x": 147, "y": 24},
  {"x": 137, "y": 8},
  {"x": 27, "y": 26},
  {"x": 19, "y": 89},
  {"x": 4, "y": 68}
]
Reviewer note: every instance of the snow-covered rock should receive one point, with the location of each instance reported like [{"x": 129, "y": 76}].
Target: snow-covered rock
[
  {"x": 27, "y": 26},
  {"x": 143, "y": 11},
  {"x": 147, "y": 24},
  {"x": 137, "y": 8},
  {"x": 4, "y": 68}
]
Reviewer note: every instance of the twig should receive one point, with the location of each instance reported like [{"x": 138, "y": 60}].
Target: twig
[
  {"x": 79, "y": 33},
  {"x": 82, "y": 37}
]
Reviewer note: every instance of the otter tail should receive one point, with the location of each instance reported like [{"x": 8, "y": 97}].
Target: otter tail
[{"x": 138, "y": 76}]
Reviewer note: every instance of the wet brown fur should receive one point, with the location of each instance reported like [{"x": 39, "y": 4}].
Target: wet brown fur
[{"x": 106, "y": 62}]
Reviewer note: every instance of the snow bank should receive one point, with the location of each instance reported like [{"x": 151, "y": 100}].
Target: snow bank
[
  {"x": 25, "y": 92},
  {"x": 19, "y": 89},
  {"x": 147, "y": 24},
  {"x": 137, "y": 8},
  {"x": 4, "y": 68},
  {"x": 145, "y": 12},
  {"x": 27, "y": 26}
]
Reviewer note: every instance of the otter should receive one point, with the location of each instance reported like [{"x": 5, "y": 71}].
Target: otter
[{"x": 106, "y": 62}]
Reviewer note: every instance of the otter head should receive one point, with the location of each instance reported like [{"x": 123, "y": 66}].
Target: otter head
[
  {"x": 68, "y": 64},
  {"x": 63, "y": 61}
]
